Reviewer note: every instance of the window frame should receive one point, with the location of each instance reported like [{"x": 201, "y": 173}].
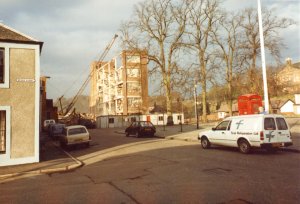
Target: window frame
[
  {"x": 280, "y": 125},
  {"x": 6, "y": 155},
  {"x": 6, "y": 48},
  {"x": 3, "y": 131},
  {"x": 274, "y": 123},
  {"x": 219, "y": 125}
]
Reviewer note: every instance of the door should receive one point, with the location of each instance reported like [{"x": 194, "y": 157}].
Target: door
[
  {"x": 221, "y": 133},
  {"x": 283, "y": 130},
  {"x": 148, "y": 118},
  {"x": 270, "y": 132}
]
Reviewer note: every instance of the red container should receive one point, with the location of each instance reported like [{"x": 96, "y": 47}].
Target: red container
[{"x": 249, "y": 104}]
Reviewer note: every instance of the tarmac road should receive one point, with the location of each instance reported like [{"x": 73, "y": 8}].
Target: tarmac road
[{"x": 152, "y": 170}]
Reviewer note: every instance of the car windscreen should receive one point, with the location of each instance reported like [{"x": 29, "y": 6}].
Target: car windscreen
[{"x": 75, "y": 131}]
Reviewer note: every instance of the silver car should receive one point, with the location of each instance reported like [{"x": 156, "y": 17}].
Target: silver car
[{"x": 75, "y": 134}]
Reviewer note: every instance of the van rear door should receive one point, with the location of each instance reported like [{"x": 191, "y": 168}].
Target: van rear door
[
  {"x": 270, "y": 131},
  {"x": 276, "y": 130},
  {"x": 283, "y": 130}
]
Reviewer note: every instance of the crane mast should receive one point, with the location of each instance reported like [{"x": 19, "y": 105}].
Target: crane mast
[{"x": 75, "y": 98}]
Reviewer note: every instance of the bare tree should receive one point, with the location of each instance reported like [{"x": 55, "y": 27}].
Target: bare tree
[
  {"x": 227, "y": 36},
  {"x": 273, "y": 43},
  {"x": 203, "y": 16},
  {"x": 158, "y": 26}
]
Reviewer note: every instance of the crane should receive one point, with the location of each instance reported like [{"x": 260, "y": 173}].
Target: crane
[{"x": 75, "y": 98}]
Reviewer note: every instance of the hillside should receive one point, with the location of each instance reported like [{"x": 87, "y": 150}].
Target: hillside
[{"x": 81, "y": 106}]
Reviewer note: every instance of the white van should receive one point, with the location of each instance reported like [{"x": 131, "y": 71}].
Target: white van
[{"x": 268, "y": 131}]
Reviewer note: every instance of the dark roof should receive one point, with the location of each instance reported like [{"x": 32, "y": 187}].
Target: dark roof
[
  {"x": 158, "y": 109},
  {"x": 8, "y": 34}
]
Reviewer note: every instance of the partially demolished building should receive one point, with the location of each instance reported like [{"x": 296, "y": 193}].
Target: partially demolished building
[{"x": 120, "y": 86}]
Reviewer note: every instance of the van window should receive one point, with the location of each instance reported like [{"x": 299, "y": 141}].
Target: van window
[
  {"x": 223, "y": 125},
  {"x": 269, "y": 124},
  {"x": 281, "y": 124}
]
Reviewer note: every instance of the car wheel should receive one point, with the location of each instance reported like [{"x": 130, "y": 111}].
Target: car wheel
[
  {"x": 205, "y": 143},
  {"x": 244, "y": 146},
  {"x": 87, "y": 144},
  {"x": 127, "y": 134}
]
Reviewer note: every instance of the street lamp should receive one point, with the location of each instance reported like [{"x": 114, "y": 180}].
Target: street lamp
[{"x": 263, "y": 60}]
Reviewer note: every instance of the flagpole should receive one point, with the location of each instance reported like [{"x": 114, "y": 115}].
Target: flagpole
[{"x": 263, "y": 60}]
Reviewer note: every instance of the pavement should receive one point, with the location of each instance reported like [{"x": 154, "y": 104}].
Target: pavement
[{"x": 54, "y": 159}]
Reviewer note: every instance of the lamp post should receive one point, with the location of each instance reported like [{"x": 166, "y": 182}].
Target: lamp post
[{"x": 263, "y": 60}]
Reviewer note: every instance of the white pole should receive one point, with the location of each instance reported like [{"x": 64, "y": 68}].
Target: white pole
[{"x": 263, "y": 60}]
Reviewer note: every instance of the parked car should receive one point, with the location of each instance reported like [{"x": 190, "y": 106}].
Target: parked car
[
  {"x": 47, "y": 123},
  {"x": 141, "y": 128},
  {"x": 75, "y": 134},
  {"x": 56, "y": 130},
  {"x": 267, "y": 131}
]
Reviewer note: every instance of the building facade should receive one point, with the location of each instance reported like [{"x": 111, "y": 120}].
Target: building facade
[
  {"x": 120, "y": 86},
  {"x": 289, "y": 77},
  {"x": 19, "y": 97}
]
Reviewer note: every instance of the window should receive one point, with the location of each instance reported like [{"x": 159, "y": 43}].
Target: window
[
  {"x": 269, "y": 124},
  {"x": 77, "y": 131},
  {"x": 134, "y": 102},
  {"x": 2, "y": 131},
  {"x": 2, "y": 67},
  {"x": 160, "y": 118},
  {"x": 223, "y": 125},
  {"x": 179, "y": 117},
  {"x": 133, "y": 59},
  {"x": 146, "y": 124},
  {"x": 133, "y": 72},
  {"x": 281, "y": 124},
  {"x": 134, "y": 88},
  {"x": 111, "y": 120}
]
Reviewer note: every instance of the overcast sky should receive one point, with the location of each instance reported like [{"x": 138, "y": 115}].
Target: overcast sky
[{"x": 75, "y": 32}]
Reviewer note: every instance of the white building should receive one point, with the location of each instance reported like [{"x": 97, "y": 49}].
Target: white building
[{"x": 112, "y": 121}]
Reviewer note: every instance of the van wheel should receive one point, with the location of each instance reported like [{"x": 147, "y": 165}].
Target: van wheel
[
  {"x": 244, "y": 146},
  {"x": 205, "y": 143}
]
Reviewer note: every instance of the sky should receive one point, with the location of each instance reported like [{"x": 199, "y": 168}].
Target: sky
[{"x": 76, "y": 32}]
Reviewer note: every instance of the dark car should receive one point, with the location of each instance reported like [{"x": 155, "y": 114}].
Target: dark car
[
  {"x": 55, "y": 130},
  {"x": 141, "y": 128}
]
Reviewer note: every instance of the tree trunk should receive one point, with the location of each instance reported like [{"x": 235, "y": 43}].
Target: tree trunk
[{"x": 203, "y": 86}]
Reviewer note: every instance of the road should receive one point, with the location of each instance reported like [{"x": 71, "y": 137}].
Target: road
[{"x": 152, "y": 170}]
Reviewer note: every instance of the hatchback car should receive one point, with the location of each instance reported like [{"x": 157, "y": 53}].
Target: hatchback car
[
  {"x": 141, "y": 128},
  {"x": 75, "y": 134}
]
